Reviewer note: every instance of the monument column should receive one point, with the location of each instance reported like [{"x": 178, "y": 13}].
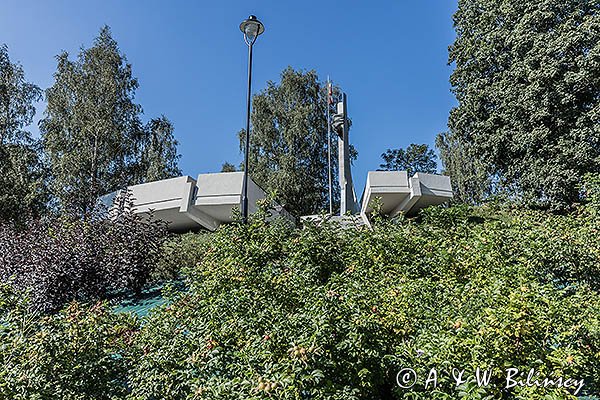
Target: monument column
[{"x": 347, "y": 200}]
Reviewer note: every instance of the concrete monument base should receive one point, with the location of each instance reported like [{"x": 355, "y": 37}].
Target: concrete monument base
[{"x": 208, "y": 201}]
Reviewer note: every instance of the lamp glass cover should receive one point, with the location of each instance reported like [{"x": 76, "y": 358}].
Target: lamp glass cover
[{"x": 251, "y": 30}]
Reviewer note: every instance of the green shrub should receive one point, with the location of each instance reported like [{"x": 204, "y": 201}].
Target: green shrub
[
  {"x": 274, "y": 312},
  {"x": 327, "y": 313},
  {"x": 79, "y": 353},
  {"x": 178, "y": 252},
  {"x": 591, "y": 188}
]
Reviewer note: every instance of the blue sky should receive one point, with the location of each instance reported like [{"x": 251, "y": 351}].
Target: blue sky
[{"x": 190, "y": 58}]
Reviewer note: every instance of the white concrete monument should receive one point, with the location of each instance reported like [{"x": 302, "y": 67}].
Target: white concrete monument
[
  {"x": 400, "y": 194},
  {"x": 341, "y": 125},
  {"x": 208, "y": 201},
  {"x": 188, "y": 204}
]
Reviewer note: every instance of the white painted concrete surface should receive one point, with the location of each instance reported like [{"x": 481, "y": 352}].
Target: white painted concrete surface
[
  {"x": 187, "y": 203},
  {"x": 400, "y": 194},
  {"x": 208, "y": 201}
]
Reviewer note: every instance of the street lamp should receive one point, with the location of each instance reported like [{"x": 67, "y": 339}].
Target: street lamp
[{"x": 251, "y": 28}]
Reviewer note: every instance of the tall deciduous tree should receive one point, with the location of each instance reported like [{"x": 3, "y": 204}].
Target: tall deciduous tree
[
  {"x": 415, "y": 158},
  {"x": 527, "y": 81},
  {"x": 22, "y": 188},
  {"x": 92, "y": 132},
  {"x": 91, "y": 124},
  {"x": 288, "y": 145},
  {"x": 471, "y": 180},
  {"x": 159, "y": 151}
]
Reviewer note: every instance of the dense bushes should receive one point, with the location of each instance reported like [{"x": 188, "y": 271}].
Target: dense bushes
[
  {"x": 76, "y": 354},
  {"x": 324, "y": 313},
  {"x": 59, "y": 260},
  {"x": 179, "y": 252}
]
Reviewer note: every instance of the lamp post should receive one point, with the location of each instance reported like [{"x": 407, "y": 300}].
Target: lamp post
[{"x": 251, "y": 27}]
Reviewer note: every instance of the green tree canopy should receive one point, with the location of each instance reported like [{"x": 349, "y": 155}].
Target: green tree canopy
[
  {"x": 92, "y": 132},
  {"x": 415, "y": 158},
  {"x": 158, "y": 151},
  {"x": 228, "y": 167},
  {"x": 22, "y": 188},
  {"x": 288, "y": 144},
  {"x": 527, "y": 81},
  {"x": 471, "y": 181}
]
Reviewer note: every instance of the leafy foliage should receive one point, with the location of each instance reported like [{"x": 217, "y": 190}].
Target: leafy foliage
[
  {"x": 158, "y": 151},
  {"x": 23, "y": 182},
  {"x": 323, "y": 312},
  {"x": 65, "y": 259},
  {"x": 527, "y": 80},
  {"x": 592, "y": 191},
  {"x": 22, "y": 186},
  {"x": 76, "y": 354},
  {"x": 328, "y": 313},
  {"x": 177, "y": 253},
  {"x": 416, "y": 158},
  {"x": 288, "y": 147},
  {"x": 228, "y": 167},
  {"x": 17, "y": 98},
  {"x": 92, "y": 130},
  {"x": 471, "y": 179}
]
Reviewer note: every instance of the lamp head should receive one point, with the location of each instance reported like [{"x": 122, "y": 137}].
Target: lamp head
[{"x": 251, "y": 28}]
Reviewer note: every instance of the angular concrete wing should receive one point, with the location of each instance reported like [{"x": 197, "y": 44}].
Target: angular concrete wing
[
  {"x": 399, "y": 193},
  {"x": 219, "y": 193},
  {"x": 187, "y": 204},
  {"x": 169, "y": 199}
]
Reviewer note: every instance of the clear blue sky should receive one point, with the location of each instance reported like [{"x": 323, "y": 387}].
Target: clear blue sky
[{"x": 190, "y": 58}]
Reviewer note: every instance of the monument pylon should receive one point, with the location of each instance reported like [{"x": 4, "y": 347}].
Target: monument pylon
[{"x": 341, "y": 126}]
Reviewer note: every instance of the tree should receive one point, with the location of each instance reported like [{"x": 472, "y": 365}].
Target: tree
[
  {"x": 527, "y": 81},
  {"x": 228, "y": 167},
  {"x": 288, "y": 146},
  {"x": 22, "y": 189},
  {"x": 416, "y": 158},
  {"x": 91, "y": 124},
  {"x": 159, "y": 151},
  {"x": 471, "y": 181},
  {"x": 92, "y": 132}
]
